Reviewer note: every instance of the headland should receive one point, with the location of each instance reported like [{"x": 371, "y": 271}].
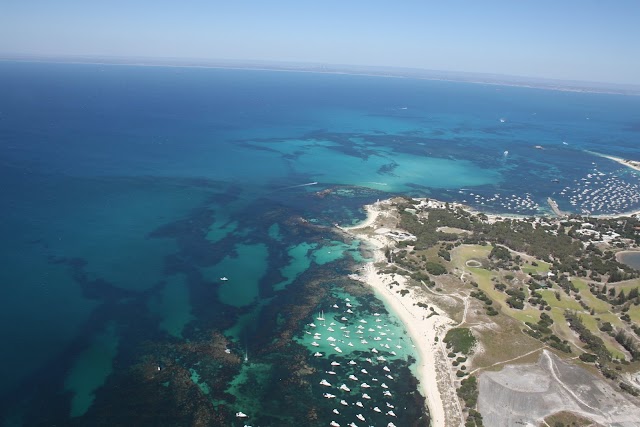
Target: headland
[{"x": 479, "y": 294}]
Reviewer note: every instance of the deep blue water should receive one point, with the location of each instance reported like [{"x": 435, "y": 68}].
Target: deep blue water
[{"x": 128, "y": 192}]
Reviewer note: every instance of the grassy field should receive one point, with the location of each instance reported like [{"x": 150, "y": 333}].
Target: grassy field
[
  {"x": 542, "y": 268},
  {"x": 598, "y": 305},
  {"x": 601, "y": 308},
  {"x": 565, "y": 303}
]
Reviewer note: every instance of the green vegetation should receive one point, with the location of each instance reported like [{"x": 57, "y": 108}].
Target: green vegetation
[
  {"x": 460, "y": 340},
  {"x": 435, "y": 268},
  {"x": 542, "y": 332},
  {"x": 548, "y": 274},
  {"x": 468, "y": 392}
]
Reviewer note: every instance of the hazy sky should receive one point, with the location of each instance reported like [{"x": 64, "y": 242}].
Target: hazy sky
[{"x": 566, "y": 39}]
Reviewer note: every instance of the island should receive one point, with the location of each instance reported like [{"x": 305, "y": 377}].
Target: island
[{"x": 517, "y": 320}]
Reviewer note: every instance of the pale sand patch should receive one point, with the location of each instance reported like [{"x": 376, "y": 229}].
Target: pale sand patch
[
  {"x": 372, "y": 215},
  {"x": 421, "y": 329},
  {"x": 633, "y": 164}
]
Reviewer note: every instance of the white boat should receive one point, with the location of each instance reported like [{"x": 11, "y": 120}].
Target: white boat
[
  {"x": 381, "y": 358},
  {"x": 344, "y": 387},
  {"x": 376, "y": 314},
  {"x": 386, "y": 368},
  {"x": 363, "y": 321},
  {"x": 223, "y": 279},
  {"x": 338, "y": 350},
  {"x": 389, "y": 376},
  {"x": 331, "y": 339},
  {"x": 373, "y": 350},
  {"x": 389, "y": 405},
  {"x": 360, "y": 417},
  {"x": 365, "y": 385},
  {"x": 349, "y": 305},
  {"x": 344, "y": 402},
  {"x": 315, "y": 344},
  {"x": 313, "y": 325},
  {"x": 350, "y": 344},
  {"x": 391, "y": 425},
  {"x": 375, "y": 408},
  {"x": 365, "y": 396},
  {"x": 359, "y": 404},
  {"x": 343, "y": 318},
  {"x": 383, "y": 385},
  {"x": 364, "y": 371},
  {"x": 353, "y": 425},
  {"x": 330, "y": 372},
  {"x": 329, "y": 395},
  {"x": 334, "y": 424},
  {"x": 321, "y": 317},
  {"x": 325, "y": 383},
  {"x": 241, "y": 415},
  {"x": 353, "y": 377},
  {"x": 334, "y": 363},
  {"x": 335, "y": 305},
  {"x": 386, "y": 393},
  {"x": 330, "y": 329},
  {"x": 349, "y": 311},
  {"x": 317, "y": 354},
  {"x": 391, "y": 414},
  {"x": 335, "y": 411}
]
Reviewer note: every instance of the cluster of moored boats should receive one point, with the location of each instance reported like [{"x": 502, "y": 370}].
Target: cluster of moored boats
[
  {"x": 365, "y": 387},
  {"x": 600, "y": 192},
  {"x": 508, "y": 203}
]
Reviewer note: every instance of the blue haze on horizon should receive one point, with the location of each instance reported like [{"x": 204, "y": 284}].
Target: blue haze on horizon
[{"x": 569, "y": 40}]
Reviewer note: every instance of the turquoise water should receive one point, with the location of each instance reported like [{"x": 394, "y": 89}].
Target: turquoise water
[{"x": 130, "y": 192}]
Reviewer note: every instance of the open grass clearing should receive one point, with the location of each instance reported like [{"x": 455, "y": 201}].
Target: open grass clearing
[
  {"x": 566, "y": 302},
  {"x": 542, "y": 268},
  {"x": 596, "y": 304}
]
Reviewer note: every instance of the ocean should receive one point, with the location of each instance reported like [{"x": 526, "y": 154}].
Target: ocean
[{"x": 168, "y": 233}]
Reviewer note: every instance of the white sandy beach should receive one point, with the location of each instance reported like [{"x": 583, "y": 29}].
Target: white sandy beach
[
  {"x": 421, "y": 329},
  {"x": 633, "y": 164}
]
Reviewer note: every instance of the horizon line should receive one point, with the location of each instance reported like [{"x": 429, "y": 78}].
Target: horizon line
[{"x": 496, "y": 79}]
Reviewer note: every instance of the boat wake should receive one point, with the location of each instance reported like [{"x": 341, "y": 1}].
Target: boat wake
[{"x": 298, "y": 185}]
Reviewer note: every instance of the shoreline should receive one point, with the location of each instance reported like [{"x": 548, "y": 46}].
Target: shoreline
[
  {"x": 422, "y": 330},
  {"x": 432, "y": 369},
  {"x": 632, "y": 164}
]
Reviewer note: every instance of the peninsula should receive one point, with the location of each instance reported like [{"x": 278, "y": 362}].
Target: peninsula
[{"x": 505, "y": 311}]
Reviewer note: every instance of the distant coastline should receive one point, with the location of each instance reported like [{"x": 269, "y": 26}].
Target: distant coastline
[{"x": 370, "y": 71}]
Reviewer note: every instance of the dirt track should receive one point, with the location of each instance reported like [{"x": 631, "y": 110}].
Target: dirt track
[{"x": 526, "y": 394}]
